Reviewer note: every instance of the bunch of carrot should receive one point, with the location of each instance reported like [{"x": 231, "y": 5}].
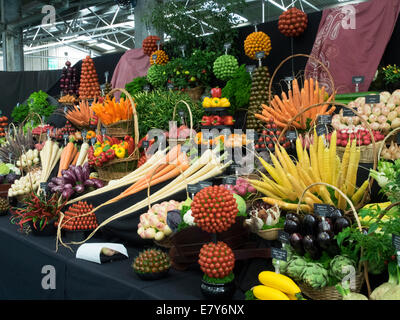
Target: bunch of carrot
[
  {"x": 69, "y": 156},
  {"x": 111, "y": 111},
  {"x": 81, "y": 116},
  {"x": 282, "y": 110}
]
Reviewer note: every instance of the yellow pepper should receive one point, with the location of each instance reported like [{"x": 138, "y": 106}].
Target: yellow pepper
[
  {"x": 90, "y": 134},
  {"x": 115, "y": 147},
  {"x": 224, "y": 102},
  {"x": 98, "y": 151},
  {"x": 120, "y": 152},
  {"x": 207, "y": 102},
  {"x": 215, "y": 102}
]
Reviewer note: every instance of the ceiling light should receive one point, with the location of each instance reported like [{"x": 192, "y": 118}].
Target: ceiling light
[{"x": 105, "y": 46}]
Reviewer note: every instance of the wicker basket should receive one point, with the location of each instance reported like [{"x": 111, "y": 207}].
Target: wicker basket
[
  {"x": 329, "y": 293},
  {"x": 175, "y": 141},
  {"x": 388, "y": 139},
  {"x": 125, "y": 127},
  {"x": 195, "y": 93},
  {"x": 270, "y": 234},
  {"x": 367, "y": 152},
  {"x": 118, "y": 168}
]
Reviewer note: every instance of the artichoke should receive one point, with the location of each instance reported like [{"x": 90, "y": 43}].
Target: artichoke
[
  {"x": 338, "y": 266},
  {"x": 315, "y": 275},
  {"x": 295, "y": 267}
]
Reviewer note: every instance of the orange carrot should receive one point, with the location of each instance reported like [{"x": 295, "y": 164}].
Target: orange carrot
[
  {"x": 275, "y": 114},
  {"x": 75, "y": 159},
  {"x": 296, "y": 95},
  {"x": 68, "y": 153},
  {"x": 325, "y": 107}
]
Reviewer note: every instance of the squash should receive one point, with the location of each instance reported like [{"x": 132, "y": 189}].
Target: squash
[
  {"x": 279, "y": 282},
  {"x": 267, "y": 293}
]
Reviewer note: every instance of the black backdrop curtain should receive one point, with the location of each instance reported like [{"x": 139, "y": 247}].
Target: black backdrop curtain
[{"x": 17, "y": 86}]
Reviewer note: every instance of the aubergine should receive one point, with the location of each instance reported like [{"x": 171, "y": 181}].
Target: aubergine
[
  {"x": 341, "y": 224},
  {"x": 291, "y": 226},
  {"x": 309, "y": 243},
  {"x": 293, "y": 217},
  {"x": 324, "y": 240},
  {"x": 337, "y": 213},
  {"x": 310, "y": 224},
  {"x": 296, "y": 241}
]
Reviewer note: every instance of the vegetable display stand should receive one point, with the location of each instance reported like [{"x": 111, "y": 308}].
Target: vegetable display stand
[
  {"x": 330, "y": 292},
  {"x": 125, "y": 127},
  {"x": 373, "y": 150},
  {"x": 177, "y": 140},
  {"x": 119, "y": 168},
  {"x": 195, "y": 93}
]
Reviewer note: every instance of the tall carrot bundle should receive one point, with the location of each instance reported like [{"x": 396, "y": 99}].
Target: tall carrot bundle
[
  {"x": 284, "y": 108},
  {"x": 111, "y": 111},
  {"x": 81, "y": 116}
]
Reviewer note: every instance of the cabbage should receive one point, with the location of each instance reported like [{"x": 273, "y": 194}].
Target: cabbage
[{"x": 4, "y": 169}]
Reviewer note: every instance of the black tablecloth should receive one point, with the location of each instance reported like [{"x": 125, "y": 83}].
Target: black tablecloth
[{"x": 24, "y": 255}]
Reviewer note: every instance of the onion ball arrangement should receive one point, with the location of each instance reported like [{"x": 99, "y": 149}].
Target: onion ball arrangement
[
  {"x": 149, "y": 45},
  {"x": 256, "y": 42},
  {"x": 225, "y": 67},
  {"x": 293, "y": 22},
  {"x": 214, "y": 209},
  {"x": 69, "y": 84},
  {"x": 162, "y": 57}
]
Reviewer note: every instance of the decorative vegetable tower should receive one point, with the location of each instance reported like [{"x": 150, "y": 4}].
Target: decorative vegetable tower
[
  {"x": 293, "y": 22},
  {"x": 89, "y": 87},
  {"x": 214, "y": 210},
  {"x": 69, "y": 81}
]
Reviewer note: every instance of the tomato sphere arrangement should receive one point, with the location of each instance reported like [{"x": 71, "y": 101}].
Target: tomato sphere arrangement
[
  {"x": 89, "y": 85},
  {"x": 79, "y": 218},
  {"x": 149, "y": 45},
  {"x": 214, "y": 209},
  {"x": 293, "y": 22},
  {"x": 216, "y": 259}
]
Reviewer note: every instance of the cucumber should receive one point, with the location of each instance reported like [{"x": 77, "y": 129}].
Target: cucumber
[{"x": 354, "y": 96}]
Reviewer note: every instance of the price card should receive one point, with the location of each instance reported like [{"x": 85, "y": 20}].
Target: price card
[
  {"x": 278, "y": 254},
  {"x": 193, "y": 188},
  {"x": 227, "y": 46},
  {"x": 43, "y": 186},
  {"x": 65, "y": 109},
  {"x": 396, "y": 241},
  {"x": 321, "y": 129},
  {"x": 288, "y": 79},
  {"x": 93, "y": 141},
  {"x": 146, "y": 88},
  {"x": 145, "y": 144},
  {"x": 205, "y": 184},
  {"x": 65, "y": 137},
  {"x": 260, "y": 54},
  {"x": 373, "y": 99},
  {"x": 154, "y": 57},
  {"x": 358, "y": 79},
  {"x": 84, "y": 134},
  {"x": 348, "y": 113},
  {"x": 323, "y": 210},
  {"x": 170, "y": 86},
  {"x": 181, "y": 113},
  {"x": 324, "y": 119},
  {"x": 235, "y": 168},
  {"x": 229, "y": 180},
  {"x": 250, "y": 68},
  {"x": 283, "y": 236},
  {"x": 291, "y": 135}
]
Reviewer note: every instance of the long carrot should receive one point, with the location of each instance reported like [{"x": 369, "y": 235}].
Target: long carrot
[
  {"x": 296, "y": 95},
  {"x": 66, "y": 156},
  {"x": 75, "y": 159},
  {"x": 275, "y": 114}
]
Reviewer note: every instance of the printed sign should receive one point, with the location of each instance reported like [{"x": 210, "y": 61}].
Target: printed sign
[
  {"x": 278, "y": 254},
  {"x": 291, "y": 135},
  {"x": 260, "y": 54},
  {"x": 373, "y": 99},
  {"x": 358, "y": 79},
  {"x": 323, "y": 210},
  {"x": 283, "y": 236}
]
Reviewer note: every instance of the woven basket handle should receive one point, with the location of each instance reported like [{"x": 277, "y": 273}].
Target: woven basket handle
[
  {"x": 135, "y": 116},
  {"x": 154, "y": 172},
  {"x": 190, "y": 115},
  {"x": 292, "y": 57},
  {"x": 384, "y": 141}
]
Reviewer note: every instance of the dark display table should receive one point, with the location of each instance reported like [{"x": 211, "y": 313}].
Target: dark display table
[{"x": 23, "y": 257}]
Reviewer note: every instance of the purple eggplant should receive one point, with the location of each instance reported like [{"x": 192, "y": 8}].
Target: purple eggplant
[
  {"x": 68, "y": 193},
  {"x": 51, "y": 185},
  {"x": 58, "y": 189},
  {"x": 291, "y": 226},
  {"x": 86, "y": 171},
  {"x": 296, "y": 241},
  {"x": 341, "y": 224},
  {"x": 310, "y": 224},
  {"x": 98, "y": 183},
  {"x": 293, "y": 217},
  {"x": 71, "y": 175},
  {"x": 337, "y": 213},
  {"x": 68, "y": 178},
  {"x": 79, "y": 188},
  {"x": 58, "y": 181},
  {"x": 325, "y": 225},
  {"x": 68, "y": 186},
  {"x": 311, "y": 247},
  {"x": 78, "y": 173},
  {"x": 89, "y": 183},
  {"x": 324, "y": 240}
]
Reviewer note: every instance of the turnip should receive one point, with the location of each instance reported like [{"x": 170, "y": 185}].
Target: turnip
[
  {"x": 149, "y": 233},
  {"x": 159, "y": 236},
  {"x": 391, "y": 106},
  {"x": 385, "y": 96},
  {"x": 395, "y": 123},
  {"x": 372, "y": 118},
  {"x": 367, "y": 109},
  {"x": 385, "y": 110},
  {"x": 385, "y": 127},
  {"x": 241, "y": 190},
  {"x": 397, "y": 109},
  {"x": 392, "y": 115},
  {"x": 376, "y": 111},
  {"x": 375, "y": 125},
  {"x": 382, "y": 119},
  {"x": 167, "y": 230}
]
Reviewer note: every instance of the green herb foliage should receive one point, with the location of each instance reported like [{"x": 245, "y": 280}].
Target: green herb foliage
[
  {"x": 229, "y": 278},
  {"x": 238, "y": 89},
  {"x": 135, "y": 86},
  {"x": 155, "y": 109}
]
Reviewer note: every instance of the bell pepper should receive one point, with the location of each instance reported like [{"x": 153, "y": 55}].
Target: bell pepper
[
  {"x": 103, "y": 157},
  {"x": 215, "y": 102},
  {"x": 90, "y": 134},
  {"x": 120, "y": 153},
  {"x": 207, "y": 102},
  {"x": 110, "y": 154},
  {"x": 98, "y": 162},
  {"x": 206, "y": 121},
  {"x": 216, "y": 121},
  {"x": 216, "y": 92},
  {"x": 228, "y": 120},
  {"x": 106, "y": 147},
  {"x": 225, "y": 103},
  {"x": 131, "y": 144},
  {"x": 98, "y": 151},
  {"x": 115, "y": 147},
  {"x": 124, "y": 145}
]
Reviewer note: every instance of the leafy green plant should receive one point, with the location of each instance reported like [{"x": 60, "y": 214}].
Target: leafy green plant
[
  {"x": 391, "y": 73},
  {"x": 20, "y": 112},
  {"x": 238, "y": 89},
  {"x": 135, "y": 86},
  {"x": 155, "y": 109},
  {"x": 229, "y": 278}
]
